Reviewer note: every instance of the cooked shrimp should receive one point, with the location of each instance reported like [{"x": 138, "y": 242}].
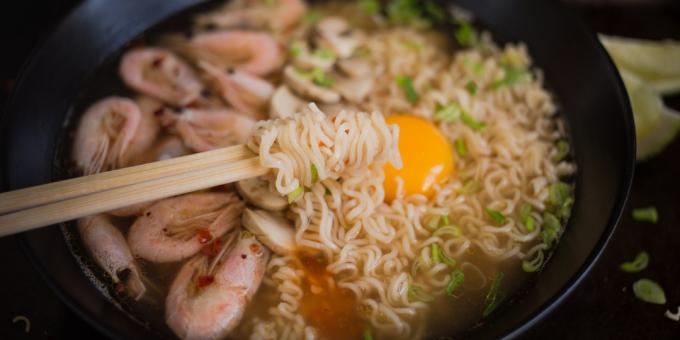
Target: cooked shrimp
[
  {"x": 130, "y": 210},
  {"x": 175, "y": 228},
  {"x": 159, "y": 73},
  {"x": 146, "y": 132},
  {"x": 168, "y": 148},
  {"x": 104, "y": 134},
  {"x": 208, "y": 297},
  {"x": 248, "y": 94},
  {"x": 208, "y": 129},
  {"x": 257, "y": 53},
  {"x": 277, "y": 15},
  {"x": 110, "y": 251}
]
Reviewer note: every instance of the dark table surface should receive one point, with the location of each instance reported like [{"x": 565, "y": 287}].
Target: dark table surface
[{"x": 603, "y": 307}]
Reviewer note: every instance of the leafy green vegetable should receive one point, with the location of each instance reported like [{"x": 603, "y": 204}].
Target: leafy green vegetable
[
  {"x": 471, "y": 122},
  {"x": 293, "y": 195},
  {"x": 406, "y": 84},
  {"x": 457, "y": 278},
  {"x": 466, "y": 35},
  {"x": 460, "y": 147},
  {"x": 471, "y": 87},
  {"x": 638, "y": 264},
  {"x": 492, "y": 300},
  {"x": 648, "y": 214},
  {"x": 649, "y": 291},
  {"x": 495, "y": 215}
]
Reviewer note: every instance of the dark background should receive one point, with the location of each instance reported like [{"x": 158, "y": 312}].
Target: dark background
[{"x": 603, "y": 307}]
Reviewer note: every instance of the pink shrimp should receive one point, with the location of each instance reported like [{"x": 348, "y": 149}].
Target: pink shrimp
[
  {"x": 208, "y": 129},
  {"x": 257, "y": 53},
  {"x": 146, "y": 132},
  {"x": 248, "y": 94},
  {"x": 279, "y": 15},
  {"x": 175, "y": 228},
  {"x": 208, "y": 298},
  {"x": 110, "y": 251},
  {"x": 161, "y": 74},
  {"x": 104, "y": 134}
]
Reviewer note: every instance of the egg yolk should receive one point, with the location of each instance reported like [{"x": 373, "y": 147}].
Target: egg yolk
[{"x": 426, "y": 156}]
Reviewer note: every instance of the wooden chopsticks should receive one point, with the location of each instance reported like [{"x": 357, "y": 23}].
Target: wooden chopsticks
[{"x": 47, "y": 204}]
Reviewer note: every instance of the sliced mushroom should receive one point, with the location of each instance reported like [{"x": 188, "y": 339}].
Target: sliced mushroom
[
  {"x": 257, "y": 192},
  {"x": 355, "y": 67},
  {"x": 284, "y": 103},
  {"x": 336, "y": 34},
  {"x": 306, "y": 87},
  {"x": 273, "y": 231},
  {"x": 354, "y": 89}
]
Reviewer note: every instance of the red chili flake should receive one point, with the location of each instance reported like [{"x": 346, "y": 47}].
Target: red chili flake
[
  {"x": 213, "y": 248},
  {"x": 205, "y": 280},
  {"x": 204, "y": 236},
  {"x": 254, "y": 248},
  {"x": 157, "y": 62}
]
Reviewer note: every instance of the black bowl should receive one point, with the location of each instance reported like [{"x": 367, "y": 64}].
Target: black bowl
[{"x": 576, "y": 68}]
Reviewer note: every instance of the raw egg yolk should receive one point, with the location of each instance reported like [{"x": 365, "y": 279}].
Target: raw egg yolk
[{"x": 426, "y": 156}]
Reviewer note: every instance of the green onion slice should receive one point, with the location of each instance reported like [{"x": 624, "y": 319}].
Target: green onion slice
[
  {"x": 460, "y": 147},
  {"x": 530, "y": 224},
  {"x": 440, "y": 256},
  {"x": 512, "y": 76},
  {"x": 447, "y": 113},
  {"x": 406, "y": 84},
  {"x": 649, "y": 291},
  {"x": 648, "y": 214},
  {"x": 367, "y": 333},
  {"x": 562, "y": 150},
  {"x": 558, "y": 193},
  {"x": 457, "y": 278},
  {"x": 471, "y": 122},
  {"x": 417, "y": 293},
  {"x": 295, "y": 48},
  {"x": 491, "y": 301},
  {"x": 495, "y": 215},
  {"x": 324, "y": 54},
  {"x": 445, "y": 220},
  {"x": 466, "y": 35},
  {"x": 533, "y": 264},
  {"x": 318, "y": 77},
  {"x": 551, "y": 228},
  {"x": 315, "y": 174},
  {"x": 638, "y": 264},
  {"x": 293, "y": 195}
]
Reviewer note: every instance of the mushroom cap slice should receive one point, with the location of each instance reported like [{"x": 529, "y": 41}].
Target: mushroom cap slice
[
  {"x": 284, "y": 103},
  {"x": 272, "y": 230},
  {"x": 306, "y": 87},
  {"x": 257, "y": 192}
]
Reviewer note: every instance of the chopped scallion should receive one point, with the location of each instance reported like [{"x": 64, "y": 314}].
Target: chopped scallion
[
  {"x": 562, "y": 152},
  {"x": 370, "y": 7},
  {"x": 367, "y": 334},
  {"x": 293, "y": 195},
  {"x": 447, "y": 113},
  {"x": 533, "y": 265},
  {"x": 412, "y": 45},
  {"x": 471, "y": 87},
  {"x": 471, "y": 122},
  {"x": 457, "y": 278},
  {"x": 512, "y": 76},
  {"x": 551, "y": 228},
  {"x": 406, "y": 84},
  {"x": 649, "y": 291},
  {"x": 417, "y": 293},
  {"x": 638, "y": 264},
  {"x": 558, "y": 194},
  {"x": 318, "y": 77},
  {"x": 324, "y": 54},
  {"x": 295, "y": 48},
  {"x": 530, "y": 223},
  {"x": 495, "y": 215},
  {"x": 439, "y": 256},
  {"x": 648, "y": 214},
  {"x": 470, "y": 187},
  {"x": 445, "y": 220},
  {"x": 491, "y": 301},
  {"x": 466, "y": 35},
  {"x": 315, "y": 174},
  {"x": 460, "y": 147},
  {"x": 406, "y": 12},
  {"x": 475, "y": 67}
]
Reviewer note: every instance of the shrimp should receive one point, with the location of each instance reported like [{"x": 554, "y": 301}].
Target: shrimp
[
  {"x": 130, "y": 210},
  {"x": 175, "y": 228},
  {"x": 159, "y": 73},
  {"x": 104, "y": 134},
  {"x": 146, "y": 132},
  {"x": 277, "y": 16},
  {"x": 257, "y": 53},
  {"x": 248, "y": 94},
  {"x": 110, "y": 251},
  {"x": 208, "y": 129},
  {"x": 208, "y": 298}
]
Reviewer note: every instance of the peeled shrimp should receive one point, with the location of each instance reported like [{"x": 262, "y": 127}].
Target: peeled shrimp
[
  {"x": 277, "y": 16},
  {"x": 159, "y": 73},
  {"x": 208, "y": 129},
  {"x": 110, "y": 251},
  {"x": 146, "y": 132},
  {"x": 175, "y": 228},
  {"x": 257, "y": 53},
  {"x": 208, "y": 298},
  {"x": 248, "y": 94},
  {"x": 104, "y": 134}
]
